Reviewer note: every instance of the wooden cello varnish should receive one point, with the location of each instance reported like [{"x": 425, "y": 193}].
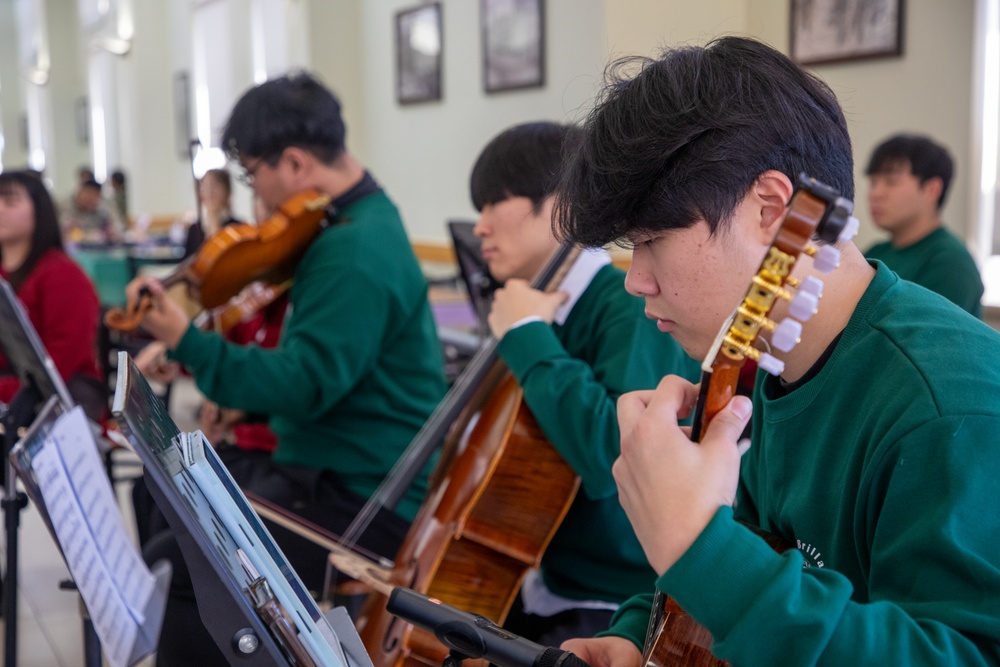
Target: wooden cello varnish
[{"x": 490, "y": 514}]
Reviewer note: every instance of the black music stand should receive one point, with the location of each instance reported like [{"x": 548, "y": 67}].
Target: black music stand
[
  {"x": 40, "y": 381},
  {"x": 475, "y": 272},
  {"x": 224, "y": 607}
]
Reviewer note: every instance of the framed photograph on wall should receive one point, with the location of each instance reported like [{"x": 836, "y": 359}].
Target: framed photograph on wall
[
  {"x": 418, "y": 53},
  {"x": 513, "y": 44},
  {"x": 833, "y": 31}
]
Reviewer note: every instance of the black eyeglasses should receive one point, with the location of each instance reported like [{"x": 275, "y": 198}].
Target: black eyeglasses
[{"x": 246, "y": 176}]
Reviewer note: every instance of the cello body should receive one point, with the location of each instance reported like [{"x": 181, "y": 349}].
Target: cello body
[{"x": 486, "y": 522}]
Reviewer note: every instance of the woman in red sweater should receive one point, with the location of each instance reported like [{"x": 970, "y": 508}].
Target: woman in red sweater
[{"x": 58, "y": 296}]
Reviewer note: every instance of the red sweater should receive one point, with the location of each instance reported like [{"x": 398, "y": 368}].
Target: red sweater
[{"x": 63, "y": 307}]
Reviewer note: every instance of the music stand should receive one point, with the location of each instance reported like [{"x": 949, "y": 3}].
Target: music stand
[
  {"x": 211, "y": 520},
  {"x": 475, "y": 273},
  {"x": 40, "y": 381}
]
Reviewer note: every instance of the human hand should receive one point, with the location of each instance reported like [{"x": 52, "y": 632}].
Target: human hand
[
  {"x": 217, "y": 422},
  {"x": 517, "y": 300},
  {"x": 165, "y": 319},
  {"x": 152, "y": 362},
  {"x": 669, "y": 486},
  {"x": 605, "y": 651}
]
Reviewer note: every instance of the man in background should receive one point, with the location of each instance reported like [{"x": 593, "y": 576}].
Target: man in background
[
  {"x": 909, "y": 177},
  {"x": 86, "y": 216}
]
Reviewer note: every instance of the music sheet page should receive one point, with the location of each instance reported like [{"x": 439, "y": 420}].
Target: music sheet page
[{"x": 115, "y": 583}]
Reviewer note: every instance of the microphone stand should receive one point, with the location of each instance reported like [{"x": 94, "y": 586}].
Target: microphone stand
[{"x": 17, "y": 416}]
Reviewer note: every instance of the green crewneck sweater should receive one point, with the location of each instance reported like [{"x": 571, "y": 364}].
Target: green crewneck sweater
[
  {"x": 939, "y": 262},
  {"x": 358, "y": 369},
  {"x": 883, "y": 468},
  {"x": 572, "y": 375}
]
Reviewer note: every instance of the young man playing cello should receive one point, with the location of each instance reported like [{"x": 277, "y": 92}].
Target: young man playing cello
[
  {"x": 358, "y": 368},
  {"x": 877, "y": 449},
  {"x": 566, "y": 350}
]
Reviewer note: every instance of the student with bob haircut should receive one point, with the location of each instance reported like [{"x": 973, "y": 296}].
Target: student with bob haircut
[{"x": 574, "y": 352}]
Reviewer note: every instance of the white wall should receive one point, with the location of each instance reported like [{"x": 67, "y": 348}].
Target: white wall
[{"x": 423, "y": 153}]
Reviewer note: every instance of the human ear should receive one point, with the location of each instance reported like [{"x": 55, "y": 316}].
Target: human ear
[
  {"x": 770, "y": 195},
  {"x": 932, "y": 189}
]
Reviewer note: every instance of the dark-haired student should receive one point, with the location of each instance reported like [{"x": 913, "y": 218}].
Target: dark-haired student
[
  {"x": 358, "y": 368},
  {"x": 574, "y": 352},
  {"x": 215, "y": 194},
  {"x": 908, "y": 178},
  {"x": 57, "y": 295},
  {"x": 876, "y": 451}
]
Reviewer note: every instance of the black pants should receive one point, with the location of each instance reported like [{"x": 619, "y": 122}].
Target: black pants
[
  {"x": 554, "y": 630},
  {"x": 318, "y": 496}
]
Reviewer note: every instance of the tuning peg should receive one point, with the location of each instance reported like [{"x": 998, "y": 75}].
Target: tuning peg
[
  {"x": 772, "y": 365},
  {"x": 803, "y": 305},
  {"x": 787, "y": 334},
  {"x": 850, "y": 230},
  {"x": 812, "y": 285},
  {"x": 826, "y": 258}
]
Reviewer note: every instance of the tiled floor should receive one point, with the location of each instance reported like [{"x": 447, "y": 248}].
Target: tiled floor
[{"x": 50, "y": 629}]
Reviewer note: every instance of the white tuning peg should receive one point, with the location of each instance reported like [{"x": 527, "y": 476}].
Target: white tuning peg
[
  {"x": 787, "y": 334},
  {"x": 772, "y": 365},
  {"x": 850, "y": 229},
  {"x": 812, "y": 285},
  {"x": 827, "y": 259},
  {"x": 803, "y": 305}
]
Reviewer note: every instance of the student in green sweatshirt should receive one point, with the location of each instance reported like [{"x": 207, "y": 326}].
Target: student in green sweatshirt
[
  {"x": 574, "y": 351},
  {"x": 877, "y": 449},
  {"x": 358, "y": 368},
  {"x": 908, "y": 178}
]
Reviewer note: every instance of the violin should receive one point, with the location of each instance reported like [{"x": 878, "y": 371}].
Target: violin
[
  {"x": 238, "y": 255},
  {"x": 252, "y": 299},
  {"x": 672, "y": 637}
]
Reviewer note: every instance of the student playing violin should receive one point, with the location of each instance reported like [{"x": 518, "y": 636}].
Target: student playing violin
[
  {"x": 876, "y": 450},
  {"x": 358, "y": 368},
  {"x": 574, "y": 352}
]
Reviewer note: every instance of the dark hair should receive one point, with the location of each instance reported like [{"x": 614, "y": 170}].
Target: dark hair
[
  {"x": 222, "y": 177},
  {"x": 118, "y": 177},
  {"x": 46, "y": 234},
  {"x": 90, "y": 184},
  {"x": 688, "y": 135},
  {"x": 522, "y": 161},
  {"x": 293, "y": 110},
  {"x": 925, "y": 158}
]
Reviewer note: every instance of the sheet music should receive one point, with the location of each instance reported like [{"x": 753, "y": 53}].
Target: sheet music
[{"x": 109, "y": 573}]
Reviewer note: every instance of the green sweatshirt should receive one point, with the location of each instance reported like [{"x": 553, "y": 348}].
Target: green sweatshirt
[
  {"x": 358, "y": 369},
  {"x": 939, "y": 262},
  {"x": 883, "y": 468},
  {"x": 572, "y": 375}
]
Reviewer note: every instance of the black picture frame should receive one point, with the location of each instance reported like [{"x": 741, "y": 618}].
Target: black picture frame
[
  {"x": 513, "y": 33},
  {"x": 838, "y": 31},
  {"x": 183, "y": 126},
  {"x": 419, "y": 53}
]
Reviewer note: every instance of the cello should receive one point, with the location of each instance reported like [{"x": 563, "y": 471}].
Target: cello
[
  {"x": 673, "y": 638},
  {"x": 496, "y": 499},
  {"x": 238, "y": 255}
]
